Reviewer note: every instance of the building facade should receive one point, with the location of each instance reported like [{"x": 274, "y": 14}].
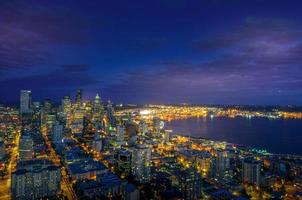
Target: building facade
[{"x": 35, "y": 179}]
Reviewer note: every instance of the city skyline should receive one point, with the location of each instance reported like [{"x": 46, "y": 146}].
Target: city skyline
[
  {"x": 211, "y": 52},
  {"x": 151, "y": 99},
  {"x": 91, "y": 150}
]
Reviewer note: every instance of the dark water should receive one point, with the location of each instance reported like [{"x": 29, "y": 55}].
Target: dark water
[{"x": 276, "y": 136}]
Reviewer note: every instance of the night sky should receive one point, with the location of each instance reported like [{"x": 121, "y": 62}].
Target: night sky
[{"x": 157, "y": 51}]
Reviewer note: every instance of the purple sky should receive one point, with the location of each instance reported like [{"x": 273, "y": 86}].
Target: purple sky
[{"x": 159, "y": 51}]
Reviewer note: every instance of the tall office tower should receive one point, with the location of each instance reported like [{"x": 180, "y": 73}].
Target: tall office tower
[
  {"x": 49, "y": 121},
  {"x": 166, "y": 135},
  {"x": 130, "y": 130},
  {"x": 97, "y": 142},
  {"x": 110, "y": 113},
  {"x": 158, "y": 125},
  {"x": 190, "y": 184},
  {"x": 78, "y": 100},
  {"x": 122, "y": 161},
  {"x": 2, "y": 149},
  {"x": 251, "y": 171},
  {"x": 97, "y": 107},
  {"x": 120, "y": 133},
  {"x": 77, "y": 124},
  {"x": 222, "y": 162},
  {"x": 36, "y": 117},
  {"x": 57, "y": 133},
  {"x": 25, "y": 101},
  {"x": 26, "y": 122},
  {"x": 88, "y": 107},
  {"x": 47, "y": 108},
  {"x": 142, "y": 128},
  {"x": 35, "y": 179},
  {"x": 66, "y": 104},
  {"x": 25, "y": 148},
  {"x": 141, "y": 163},
  {"x": 67, "y": 110}
]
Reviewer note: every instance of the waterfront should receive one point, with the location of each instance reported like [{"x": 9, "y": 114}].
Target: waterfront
[{"x": 274, "y": 135}]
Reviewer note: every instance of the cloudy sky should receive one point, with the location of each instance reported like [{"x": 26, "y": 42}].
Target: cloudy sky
[{"x": 157, "y": 51}]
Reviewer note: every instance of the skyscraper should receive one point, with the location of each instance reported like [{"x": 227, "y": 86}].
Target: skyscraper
[
  {"x": 123, "y": 161},
  {"x": 120, "y": 133},
  {"x": 110, "y": 113},
  {"x": 222, "y": 162},
  {"x": 25, "y": 101},
  {"x": 97, "y": 108},
  {"x": 36, "y": 117},
  {"x": 2, "y": 149},
  {"x": 142, "y": 128},
  {"x": 97, "y": 143},
  {"x": 141, "y": 163},
  {"x": 66, "y": 104},
  {"x": 78, "y": 100},
  {"x": 251, "y": 171},
  {"x": 26, "y": 148},
  {"x": 158, "y": 125},
  {"x": 57, "y": 133},
  {"x": 34, "y": 179},
  {"x": 190, "y": 184},
  {"x": 47, "y": 106}
]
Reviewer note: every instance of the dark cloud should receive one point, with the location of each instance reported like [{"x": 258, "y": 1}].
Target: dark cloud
[
  {"x": 75, "y": 67},
  {"x": 55, "y": 23},
  {"x": 20, "y": 48},
  {"x": 254, "y": 33},
  {"x": 29, "y": 31},
  {"x": 65, "y": 76},
  {"x": 56, "y": 83},
  {"x": 251, "y": 64},
  {"x": 230, "y": 57},
  {"x": 146, "y": 44}
]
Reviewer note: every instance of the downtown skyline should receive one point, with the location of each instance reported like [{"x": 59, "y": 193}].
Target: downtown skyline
[
  {"x": 212, "y": 52},
  {"x": 152, "y": 99}
]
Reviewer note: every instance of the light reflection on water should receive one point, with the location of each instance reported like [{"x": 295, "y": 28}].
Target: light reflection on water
[{"x": 276, "y": 136}]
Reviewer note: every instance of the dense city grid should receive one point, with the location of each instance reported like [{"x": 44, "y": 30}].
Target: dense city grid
[{"x": 95, "y": 150}]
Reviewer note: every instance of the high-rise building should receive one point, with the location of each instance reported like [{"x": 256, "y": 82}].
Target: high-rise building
[
  {"x": 97, "y": 106},
  {"x": 88, "y": 109},
  {"x": 35, "y": 179},
  {"x": 141, "y": 163},
  {"x": 120, "y": 133},
  {"x": 97, "y": 143},
  {"x": 77, "y": 124},
  {"x": 110, "y": 113},
  {"x": 67, "y": 110},
  {"x": 26, "y": 148},
  {"x": 142, "y": 128},
  {"x": 57, "y": 133},
  {"x": 131, "y": 130},
  {"x": 26, "y": 121},
  {"x": 2, "y": 149},
  {"x": 49, "y": 121},
  {"x": 132, "y": 193},
  {"x": 122, "y": 158},
  {"x": 25, "y": 101},
  {"x": 78, "y": 100},
  {"x": 158, "y": 125},
  {"x": 166, "y": 135},
  {"x": 47, "y": 106},
  {"x": 190, "y": 184},
  {"x": 222, "y": 162},
  {"x": 251, "y": 171},
  {"x": 66, "y": 104},
  {"x": 36, "y": 117}
]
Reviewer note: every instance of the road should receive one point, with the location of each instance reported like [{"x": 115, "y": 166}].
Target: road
[
  {"x": 66, "y": 185},
  {"x": 5, "y": 183}
]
